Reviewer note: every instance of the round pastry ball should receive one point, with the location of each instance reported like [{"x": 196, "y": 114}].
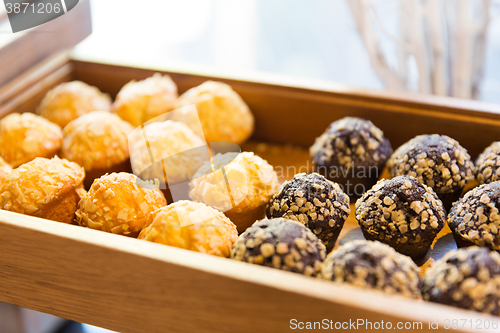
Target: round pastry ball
[
  {"x": 352, "y": 152},
  {"x": 475, "y": 219},
  {"x": 240, "y": 187},
  {"x": 467, "y": 278},
  {"x": 314, "y": 201},
  {"x": 438, "y": 161},
  {"x": 70, "y": 100},
  {"x": 141, "y": 101},
  {"x": 117, "y": 203},
  {"x": 5, "y": 169},
  {"x": 403, "y": 213},
  {"x": 26, "y": 136},
  {"x": 192, "y": 226},
  {"x": 373, "y": 265},
  {"x": 98, "y": 141},
  {"x": 282, "y": 244},
  {"x": 488, "y": 164},
  {"x": 47, "y": 188},
  {"x": 224, "y": 116},
  {"x": 172, "y": 145}
]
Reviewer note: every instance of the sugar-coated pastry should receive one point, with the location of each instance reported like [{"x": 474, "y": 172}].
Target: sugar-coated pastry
[
  {"x": 5, "y": 169},
  {"x": 47, "y": 188},
  {"x": 26, "y": 136},
  {"x": 119, "y": 203},
  {"x": 98, "y": 141},
  {"x": 223, "y": 114},
  {"x": 488, "y": 164},
  {"x": 352, "y": 152},
  {"x": 283, "y": 244},
  {"x": 373, "y": 265},
  {"x": 403, "y": 213},
  {"x": 467, "y": 278},
  {"x": 70, "y": 100},
  {"x": 475, "y": 219},
  {"x": 240, "y": 186},
  {"x": 438, "y": 161},
  {"x": 314, "y": 201},
  {"x": 192, "y": 226},
  {"x": 140, "y": 101}
]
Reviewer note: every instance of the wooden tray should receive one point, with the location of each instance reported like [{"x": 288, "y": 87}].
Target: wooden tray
[{"x": 130, "y": 285}]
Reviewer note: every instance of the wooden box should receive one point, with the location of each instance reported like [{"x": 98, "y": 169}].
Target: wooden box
[{"x": 131, "y": 285}]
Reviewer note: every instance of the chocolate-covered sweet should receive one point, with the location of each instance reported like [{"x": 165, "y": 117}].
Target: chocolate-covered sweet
[
  {"x": 467, "y": 278},
  {"x": 475, "y": 219},
  {"x": 438, "y": 161},
  {"x": 314, "y": 201},
  {"x": 282, "y": 244},
  {"x": 352, "y": 152},
  {"x": 403, "y": 213},
  {"x": 488, "y": 164},
  {"x": 373, "y": 265}
]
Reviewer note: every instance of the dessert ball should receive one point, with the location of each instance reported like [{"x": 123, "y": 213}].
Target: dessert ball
[
  {"x": 71, "y": 100},
  {"x": 141, "y": 101},
  {"x": 475, "y": 219},
  {"x": 98, "y": 141},
  {"x": 467, "y": 278},
  {"x": 488, "y": 164},
  {"x": 352, "y": 152},
  {"x": 438, "y": 161},
  {"x": 26, "y": 136},
  {"x": 5, "y": 169},
  {"x": 223, "y": 114},
  {"x": 167, "y": 148},
  {"x": 282, "y": 244},
  {"x": 44, "y": 188},
  {"x": 314, "y": 201},
  {"x": 118, "y": 203},
  {"x": 373, "y": 265},
  {"x": 240, "y": 186},
  {"x": 403, "y": 213},
  {"x": 192, "y": 226}
]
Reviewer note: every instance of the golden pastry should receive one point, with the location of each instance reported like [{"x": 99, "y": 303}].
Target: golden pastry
[{"x": 5, "y": 169}]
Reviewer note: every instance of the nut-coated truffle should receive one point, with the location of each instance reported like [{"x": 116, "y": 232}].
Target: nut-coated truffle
[
  {"x": 283, "y": 244},
  {"x": 352, "y": 152},
  {"x": 475, "y": 219},
  {"x": 403, "y": 213},
  {"x": 488, "y": 164},
  {"x": 373, "y": 265},
  {"x": 314, "y": 201},
  {"x": 193, "y": 226},
  {"x": 26, "y": 136},
  {"x": 71, "y": 100},
  {"x": 5, "y": 169},
  {"x": 467, "y": 278}
]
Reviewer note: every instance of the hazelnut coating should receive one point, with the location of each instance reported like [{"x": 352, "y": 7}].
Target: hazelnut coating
[
  {"x": 488, "y": 164},
  {"x": 475, "y": 218},
  {"x": 280, "y": 243},
  {"x": 314, "y": 201},
  {"x": 373, "y": 265},
  {"x": 193, "y": 226},
  {"x": 403, "y": 213},
  {"x": 467, "y": 278}
]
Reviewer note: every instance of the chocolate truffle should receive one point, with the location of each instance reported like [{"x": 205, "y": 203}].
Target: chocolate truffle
[
  {"x": 71, "y": 100},
  {"x": 26, "y": 136},
  {"x": 223, "y": 114},
  {"x": 314, "y": 201},
  {"x": 475, "y": 219},
  {"x": 373, "y": 265},
  {"x": 5, "y": 169},
  {"x": 467, "y": 278},
  {"x": 403, "y": 213},
  {"x": 240, "y": 186},
  {"x": 192, "y": 226},
  {"x": 282, "y": 244},
  {"x": 352, "y": 152},
  {"x": 438, "y": 161},
  {"x": 44, "y": 188},
  {"x": 488, "y": 164}
]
